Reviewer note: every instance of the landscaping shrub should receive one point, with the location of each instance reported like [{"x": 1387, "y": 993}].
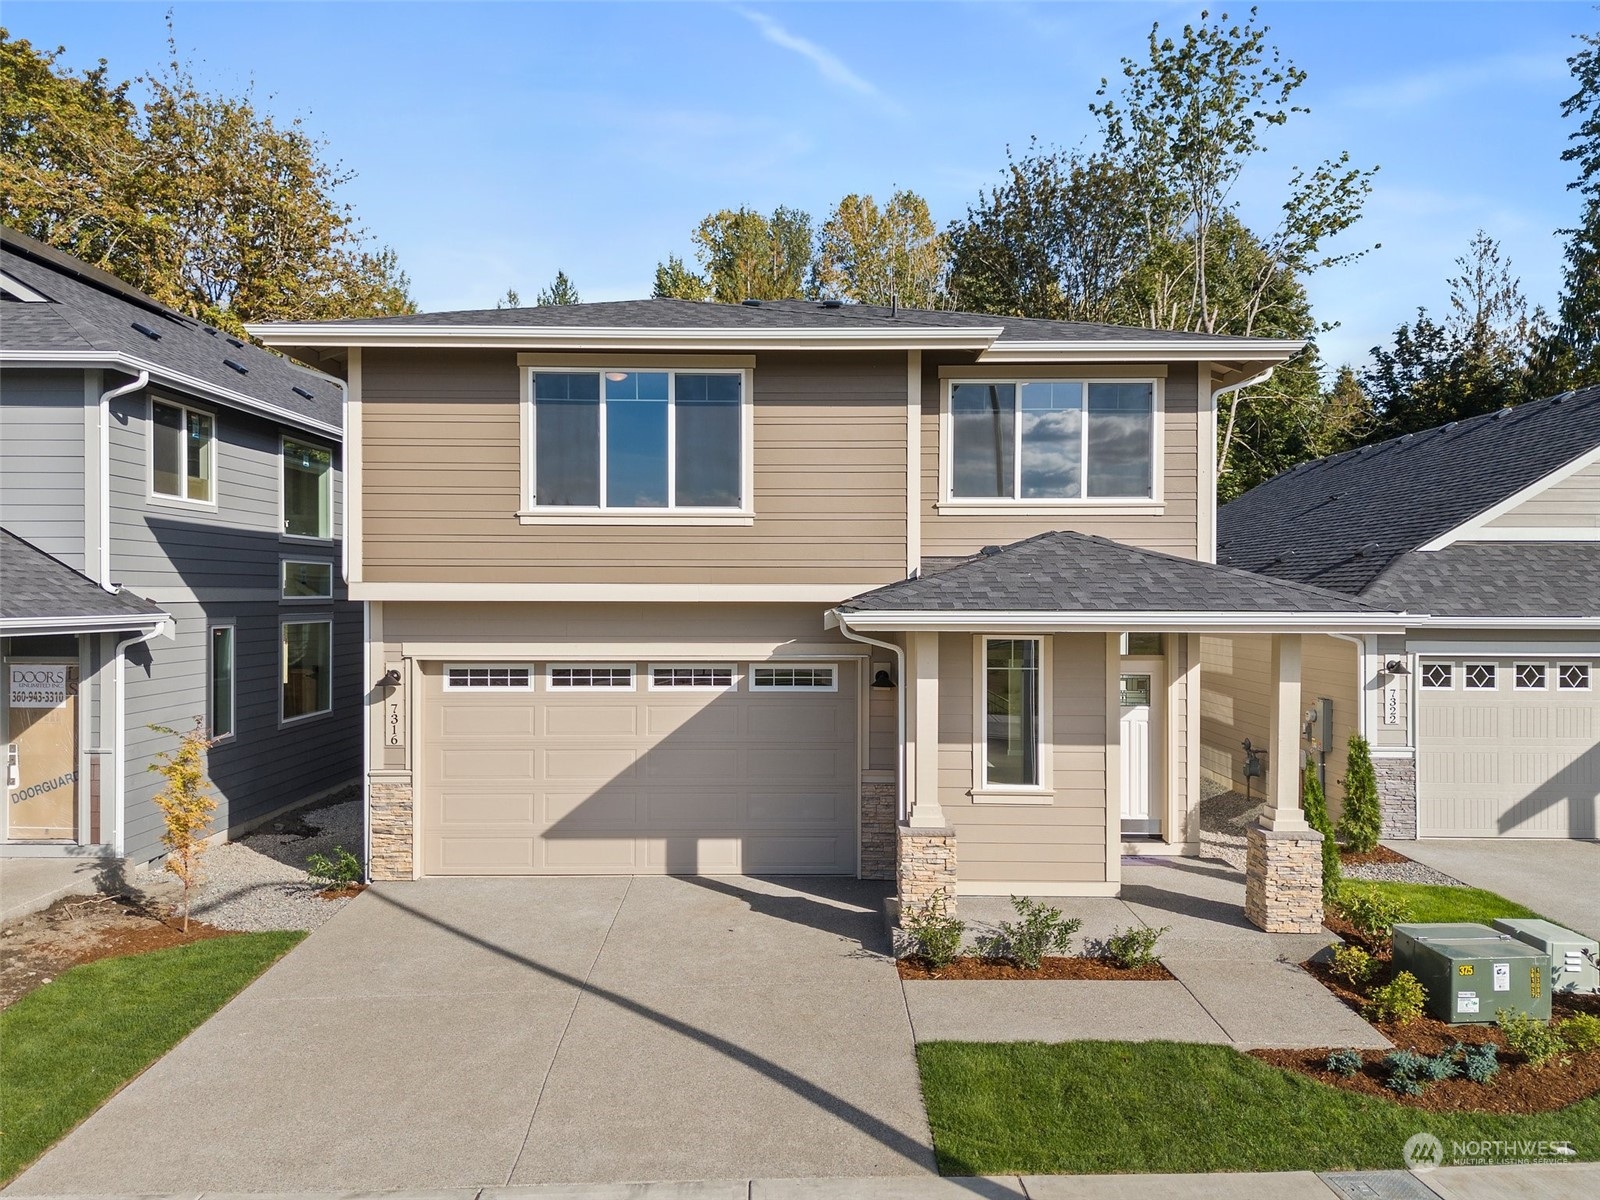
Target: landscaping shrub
[
  {"x": 1315, "y": 805},
  {"x": 1537, "y": 1041},
  {"x": 1408, "y": 1072},
  {"x": 1344, "y": 1062},
  {"x": 1373, "y": 914},
  {"x": 1135, "y": 947},
  {"x": 1361, "y": 822},
  {"x": 1398, "y": 1002},
  {"x": 1042, "y": 929},
  {"x": 1582, "y": 1032},
  {"x": 936, "y": 932},
  {"x": 341, "y": 870},
  {"x": 1479, "y": 1063},
  {"x": 1354, "y": 965}
]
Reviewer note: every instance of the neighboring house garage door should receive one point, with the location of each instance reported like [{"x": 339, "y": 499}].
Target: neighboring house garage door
[
  {"x": 1508, "y": 747},
  {"x": 639, "y": 768}
]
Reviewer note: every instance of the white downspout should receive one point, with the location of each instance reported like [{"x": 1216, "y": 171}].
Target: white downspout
[
  {"x": 1363, "y": 716},
  {"x": 103, "y": 466},
  {"x": 1220, "y": 392},
  {"x": 119, "y": 732},
  {"x": 900, "y": 704}
]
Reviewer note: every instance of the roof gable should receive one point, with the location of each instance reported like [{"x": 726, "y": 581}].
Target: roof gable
[{"x": 41, "y": 588}]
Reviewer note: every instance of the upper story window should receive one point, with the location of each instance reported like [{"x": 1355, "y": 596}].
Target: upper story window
[
  {"x": 638, "y": 440},
  {"x": 307, "y": 490},
  {"x": 1052, "y": 440},
  {"x": 182, "y": 452}
]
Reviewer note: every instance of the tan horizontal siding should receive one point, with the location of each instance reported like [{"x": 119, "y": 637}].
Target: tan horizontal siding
[
  {"x": 442, "y": 446},
  {"x": 1574, "y": 503}
]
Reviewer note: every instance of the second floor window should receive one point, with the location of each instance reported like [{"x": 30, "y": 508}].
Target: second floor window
[
  {"x": 1049, "y": 440},
  {"x": 181, "y": 452},
  {"x": 638, "y": 440},
  {"x": 307, "y": 490}
]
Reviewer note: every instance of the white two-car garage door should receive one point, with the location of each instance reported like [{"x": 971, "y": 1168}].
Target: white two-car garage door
[
  {"x": 1508, "y": 747},
  {"x": 639, "y": 768}
]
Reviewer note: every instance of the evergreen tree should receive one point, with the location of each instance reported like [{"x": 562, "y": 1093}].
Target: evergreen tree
[
  {"x": 1361, "y": 822},
  {"x": 560, "y": 291}
]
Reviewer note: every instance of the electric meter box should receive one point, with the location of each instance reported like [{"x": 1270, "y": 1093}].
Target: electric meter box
[
  {"x": 1471, "y": 971},
  {"x": 1573, "y": 957}
]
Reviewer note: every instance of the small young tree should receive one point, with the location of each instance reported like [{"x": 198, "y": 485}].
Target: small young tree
[
  {"x": 1315, "y": 806},
  {"x": 186, "y": 805},
  {"x": 1361, "y": 823}
]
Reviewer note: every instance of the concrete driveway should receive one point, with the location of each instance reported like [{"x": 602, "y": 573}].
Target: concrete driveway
[
  {"x": 1556, "y": 878},
  {"x": 459, "y": 1033}
]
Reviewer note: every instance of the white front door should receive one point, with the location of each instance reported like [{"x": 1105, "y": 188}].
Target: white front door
[{"x": 1141, "y": 749}]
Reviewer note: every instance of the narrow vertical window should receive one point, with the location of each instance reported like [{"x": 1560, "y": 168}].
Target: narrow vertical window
[
  {"x": 983, "y": 449},
  {"x": 1121, "y": 417},
  {"x": 1011, "y": 711},
  {"x": 221, "y": 706},
  {"x": 307, "y": 490},
  {"x": 566, "y": 434},
  {"x": 636, "y": 439}
]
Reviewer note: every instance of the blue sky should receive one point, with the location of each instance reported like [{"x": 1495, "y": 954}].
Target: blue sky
[{"x": 497, "y": 142}]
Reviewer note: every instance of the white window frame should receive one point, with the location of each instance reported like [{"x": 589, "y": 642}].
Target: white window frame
[
  {"x": 233, "y": 680},
  {"x": 1588, "y": 677},
  {"x": 283, "y": 650},
  {"x": 1516, "y": 677},
  {"x": 731, "y": 686},
  {"x": 950, "y": 504},
  {"x": 283, "y": 470},
  {"x": 533, "y": 675},
  {"x": 283, "y": 580},
  {"x": 814, "y": 689},
  {"x": 551, "y": 685},
  {"x": 984, "y": 792},
  {"x": 214, "y": 458},
  {"x": 533, "y": 513},
  {"x": 1422, "y": 675},
  {"x": 1466, "y": 676}
]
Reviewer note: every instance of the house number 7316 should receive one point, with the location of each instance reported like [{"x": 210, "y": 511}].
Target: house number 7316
[{"x": 395, "y": 737}]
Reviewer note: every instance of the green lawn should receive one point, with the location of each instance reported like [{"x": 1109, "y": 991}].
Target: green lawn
[
  {"x": 1103, "y": 1107},
  {"x": 1428, "y": 902},
  {"x": 65, "y": 1048}
]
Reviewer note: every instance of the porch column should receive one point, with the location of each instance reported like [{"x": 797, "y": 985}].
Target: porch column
[
  {"x": 925, "y": 845},
  {"x": 1283, "y": 855}
]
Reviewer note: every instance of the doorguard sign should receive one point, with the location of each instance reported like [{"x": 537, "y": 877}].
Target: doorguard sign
[{"x": 38, "y": 685}]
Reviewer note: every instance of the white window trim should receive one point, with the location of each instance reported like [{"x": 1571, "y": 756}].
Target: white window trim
[
  {"x": 19, "y": 291},
  {"x": 983, "y": 792},
  {"x": 532, "y": 513},
  {"x": 283, "y": 624},
  {"x": 564, "y": 688},
  {"x": 533, "y": 675},
  {"x": 283, "y": 508},
  {"x": 1516, "y": 677},
  {"x": 233, "y": 679},
  {"x": 1466, "y": 683},
  {"x": 731, "y": 686},
  {"x": 1588, "y": 679},
  {"x": 283, "y": 580},
  {"x": 949, "y": 504},
  {"x": 1422, "y": 675},
  {"x": 161, "y": 498},
  {"x": 832, "y": 668}
]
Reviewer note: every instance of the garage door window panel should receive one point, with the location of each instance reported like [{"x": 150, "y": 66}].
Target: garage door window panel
[
  {"x": 1531, "y": 677},
  {"x": 488, "y": 679},
  {"x": 1573, "y": 677},
  {"x": 797, "y": 678},
  {"x": 604, "y": 677},
  {"x": 692, "y": 677},
  {"x": 1438, "y": 676},
  {"x": 1481, "y": 677}
]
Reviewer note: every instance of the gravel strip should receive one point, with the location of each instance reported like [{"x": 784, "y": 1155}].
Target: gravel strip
[
  {"x": 259, "y": 883},
  {"x": 1406, "y": 872}
]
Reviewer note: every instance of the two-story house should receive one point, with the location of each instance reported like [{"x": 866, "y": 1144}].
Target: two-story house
[
  {"x": 792, "y": 587},
  {"x": 172, "y": 502}
]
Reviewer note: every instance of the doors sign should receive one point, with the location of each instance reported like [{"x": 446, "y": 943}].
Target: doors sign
[{"x": 38, "y": 685}]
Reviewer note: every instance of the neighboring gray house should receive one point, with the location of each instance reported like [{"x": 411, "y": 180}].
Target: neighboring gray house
[
  {"x": 1484, "y": 717},
  {"x": 181, "y": 490}
]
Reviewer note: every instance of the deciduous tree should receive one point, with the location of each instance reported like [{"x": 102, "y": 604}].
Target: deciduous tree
[
  {"x": 749, "y": 256},
  {"x": 186, "y": 806},
  {"x": 870, "y": 254},
  {"x": 676, "y": 281}
]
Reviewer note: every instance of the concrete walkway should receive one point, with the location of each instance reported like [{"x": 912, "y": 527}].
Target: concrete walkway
[
  {"x": 1538, "y": 1181},
  {"x": 478, "y": 1033},
  {"x": 1234, "y": 984},
  {"x": 30, "y": 884},
  {"x": 1559, "y": 879}
]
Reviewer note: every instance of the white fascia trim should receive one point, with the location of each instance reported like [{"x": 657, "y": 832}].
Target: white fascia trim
[
  {"x": 1531, "y": 533},
  {"x": 1143, "y": 350},
  {"x": 1116, "y": 622},
  {"x": 26, "y": 626},
  {"x": 629, "y": 593},
  {"x": 1473, "y": 530},
  {"x": 335, "y": 334},
  {"x": 1426, "y": 622},
  {"x": 176, "y": 379}
]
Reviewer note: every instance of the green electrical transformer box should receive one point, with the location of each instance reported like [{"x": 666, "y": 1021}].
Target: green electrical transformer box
[{"x": 1471, "y": 971}]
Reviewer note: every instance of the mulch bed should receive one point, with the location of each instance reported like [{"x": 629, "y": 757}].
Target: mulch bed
[
  {"x": 1518, "y": 1088},
  {"x": 972, "y": 967},
  {"x": 1379, "y": 854},
  {"x": 1377, "y": 947},
  {"x": 343, "y": 892}
]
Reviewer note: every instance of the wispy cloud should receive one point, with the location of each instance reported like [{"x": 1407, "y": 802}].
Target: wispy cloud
[
  {"x": 828, "y": 64},
  {"x": 1429, "y": 87}
]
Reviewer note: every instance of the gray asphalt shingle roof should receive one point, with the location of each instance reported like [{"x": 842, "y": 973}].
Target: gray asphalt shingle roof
[
  {"x": 34, "y": 586},
  {"x": 1495, "y": 579},
  {"x": 1076, "y": 572},
  {"x": 1341, "y": 521},
  {"x": 92, "y": 311}
]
